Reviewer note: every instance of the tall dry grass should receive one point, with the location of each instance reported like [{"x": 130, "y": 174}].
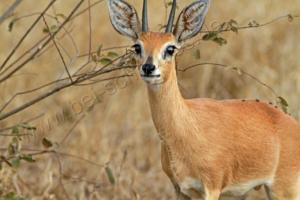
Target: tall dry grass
[{"x": 113, "y": 123}]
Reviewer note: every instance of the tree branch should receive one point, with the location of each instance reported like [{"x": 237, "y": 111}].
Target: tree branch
[{"x": 10, "y": 10}]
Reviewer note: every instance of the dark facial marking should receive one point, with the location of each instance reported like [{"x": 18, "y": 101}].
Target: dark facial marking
[
  {"x": 137, "y": 49},
  {"x": 148, "y": 67},
  {"x": 170, "y": 50},
  {"x": 149, "y": 60}
]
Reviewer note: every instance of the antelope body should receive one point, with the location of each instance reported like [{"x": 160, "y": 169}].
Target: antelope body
[{"x": 210, "y": 149}]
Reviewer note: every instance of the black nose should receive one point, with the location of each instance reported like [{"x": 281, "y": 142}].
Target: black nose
[{"x": 148, "y": 69}]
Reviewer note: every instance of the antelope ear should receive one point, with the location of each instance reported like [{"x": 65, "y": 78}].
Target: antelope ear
[
  {"x": 190, "y": 20},
  {"x": 124, "y": 18}
]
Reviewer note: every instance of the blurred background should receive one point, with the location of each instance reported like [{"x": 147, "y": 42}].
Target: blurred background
[{"x": 100, "y": 139}]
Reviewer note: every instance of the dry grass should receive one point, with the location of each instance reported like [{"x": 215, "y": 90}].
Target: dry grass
[{"x": 117, "y": 130}]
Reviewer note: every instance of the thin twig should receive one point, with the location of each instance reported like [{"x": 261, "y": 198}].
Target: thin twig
[
  {"x": 30, "y": 91},
  {"x": 105, "y": 79},
  {"x": 228, "y": 29},
  {"x": 230, "y": 67},
  {"x": 85, "y": 9},
  {"x": 38, "y": 152},
  {"x": 10, "y": 10},
  {"x": 90, "y": 30},
  {"x": 54, "y": 17},
  {"x": 56, "y": 90},
  {"x": 71, "y": 130},
  {"x": 43, "y": 45},
  {"x": 36, "y": 45},
  {"x": 58, "y": 50},
  {"x": 60, "y": 178},
  {"x": 24, "y": 122},
  {"x": 26, "y": 34},
  {"x": 258, "y": 25},
  {"x": 106, "y": 49}
]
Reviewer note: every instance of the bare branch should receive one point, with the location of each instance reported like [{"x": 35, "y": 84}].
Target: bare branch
[
  {"x": 58, "y": 50},
  {"x": 239, "y": 70},
  {"x": 38, "y": 152},
  {"x": 25, "y": 35},
  {"x": 71, "y": 130},
  {"x": 42, "y": 46},
  {"x": 10, "y": 10},
  {"x": 90, "y": 30},
  {"x": 59, "y": 88}
]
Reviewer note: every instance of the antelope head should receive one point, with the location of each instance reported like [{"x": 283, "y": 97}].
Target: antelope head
[{"x": 155, "y": 51}]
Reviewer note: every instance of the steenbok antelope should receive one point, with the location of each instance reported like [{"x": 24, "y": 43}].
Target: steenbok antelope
[{"x": 210, "y": 149}]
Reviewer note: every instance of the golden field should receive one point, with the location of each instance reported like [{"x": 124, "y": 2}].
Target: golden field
[{"x": 107, "y": 128}]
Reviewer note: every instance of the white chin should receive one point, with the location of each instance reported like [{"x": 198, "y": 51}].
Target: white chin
[{"x": 152, "y": 80}]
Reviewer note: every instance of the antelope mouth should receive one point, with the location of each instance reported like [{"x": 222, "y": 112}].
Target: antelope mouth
[
  {"x": 151, "y": 76},
  {"x": 152, "y": 79}
]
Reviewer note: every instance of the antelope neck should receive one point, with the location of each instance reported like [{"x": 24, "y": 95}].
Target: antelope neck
[{"x": 168, "y": 108}]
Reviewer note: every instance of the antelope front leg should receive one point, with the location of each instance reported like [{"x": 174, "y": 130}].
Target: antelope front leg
[
  {"x": 179, "y": 194},
  {"x": 214, "y": 195},
  {"x": 192, "y": 188}
]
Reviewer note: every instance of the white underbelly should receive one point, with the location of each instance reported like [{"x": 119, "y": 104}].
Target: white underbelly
[{"x": 242, "y": 188}]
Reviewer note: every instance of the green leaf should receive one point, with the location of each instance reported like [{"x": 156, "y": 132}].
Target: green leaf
[
  {"x": 110, "y": 175},
  {"x": 222, "y": 26},
  {"x": 283, "y": 104},
  {"x": 161, "y": 26},
  {"x": 234, "y": 29},
  {"x": 16, "y": 162},
  {"x": 210, "y": 35},
  {"x": 213, "y": 36},
  {"x": 285, "y": 109},
  {"x": 14, "y": 145},
  {"x": 27, "y": 126},
  {"x": 94, "y": 58},
  {"x": 68, "y": 114},
  {"x": 232, "y": 22},
  {"x": 61, "y": 15},
  {"x": 283, "y": 101},
  {"x": 11, "y": 25},
  {"x": 105, "y": 61},
  {"x": 28, "y": 158},
  {"x": 51, "y": 29},
  {"x": 47, "y": 143},
  {"x": 45, "y": 30},
  {"x": 290, "y": 18},
  {"x": 238, "y": 70},
  {"x": 221, "y": 41},
  {"x": 12, "y": 196},
  {"x": 112, "y": 54},
  {"x": 197, "y": 54},
  {"x": 15, "y": 130},
  {"x": 15, "y": 140},
  {"x": 98, "y": 52},
  {"x": 170, "y": 4},
  {"x": 255, "y": 23},
  {"x": 11, "y": 149}
]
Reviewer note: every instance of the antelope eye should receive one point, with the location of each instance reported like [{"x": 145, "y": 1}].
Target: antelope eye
[
  {"x": 137, "y": 49},
  {"x": 170, "y": 50}
]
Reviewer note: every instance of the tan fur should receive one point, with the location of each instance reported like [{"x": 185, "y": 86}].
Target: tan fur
[{"x": 221, "y": 144}]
